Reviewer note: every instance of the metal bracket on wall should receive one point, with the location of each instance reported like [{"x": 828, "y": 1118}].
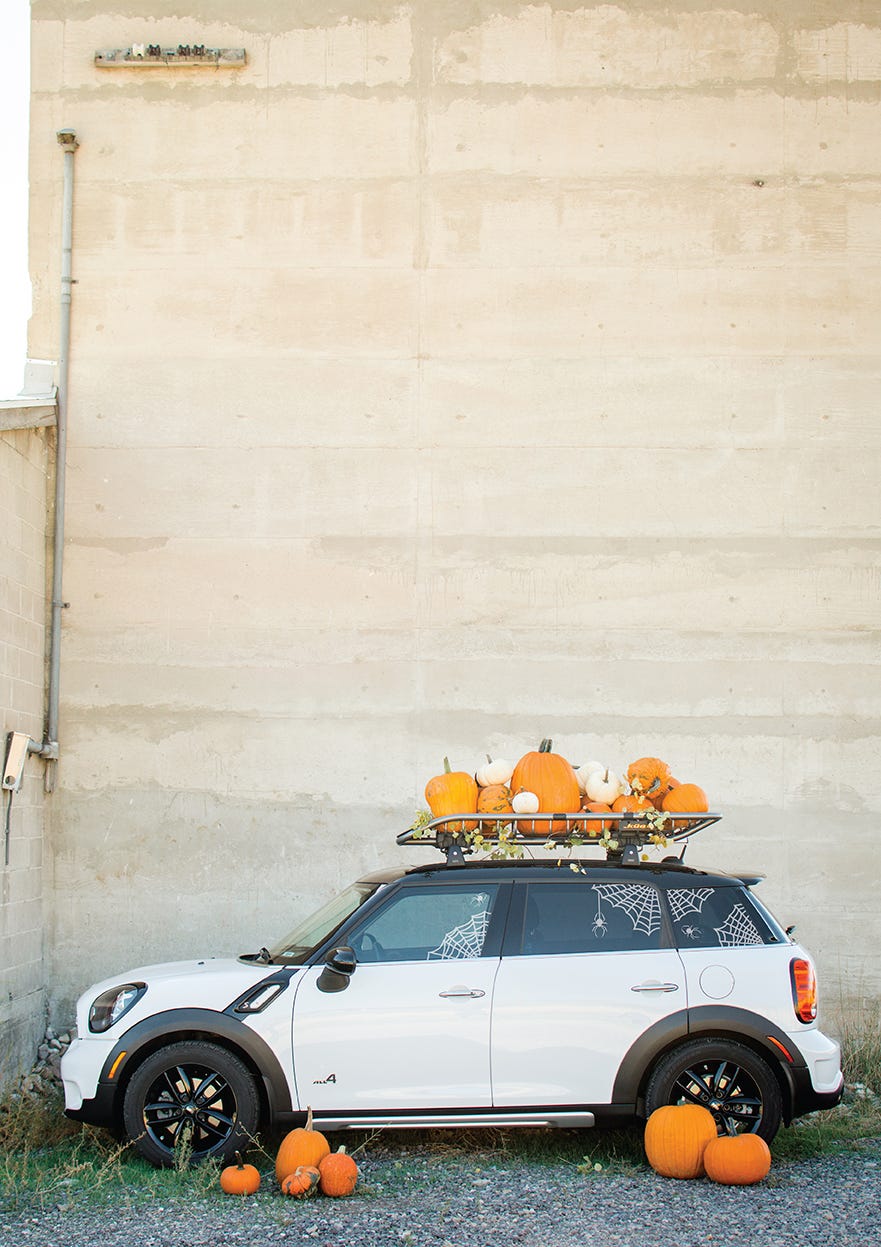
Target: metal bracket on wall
[{"x": 152, "y": 56}]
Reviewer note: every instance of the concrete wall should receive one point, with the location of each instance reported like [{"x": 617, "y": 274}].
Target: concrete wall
[
  {"x": 23, "y": 469},
  {"x": 453, "y": 375}
]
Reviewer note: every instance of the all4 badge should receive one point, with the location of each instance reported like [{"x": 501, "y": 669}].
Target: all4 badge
[{"x": 320, "y": 1082}]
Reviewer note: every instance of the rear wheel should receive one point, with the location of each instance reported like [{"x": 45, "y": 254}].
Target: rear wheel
[
  {"x": 737, "y": 1086},
  {"x": 194, "y": 1099}
]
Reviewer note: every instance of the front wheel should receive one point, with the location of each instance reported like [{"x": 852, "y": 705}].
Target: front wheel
[
  {"x": 195, "y": 1099},
  {"x": 738, "y": 1087}
]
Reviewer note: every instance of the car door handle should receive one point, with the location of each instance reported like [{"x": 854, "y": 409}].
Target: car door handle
[
  {"x": 655, "y": 986},
  {"x": 472, "y": 992}
]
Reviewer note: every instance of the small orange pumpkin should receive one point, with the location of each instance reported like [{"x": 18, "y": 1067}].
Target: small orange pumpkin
[
  {"x": 239, "y": 1179},
  {"x": 554, "y": 782},
  {"x": 737, "y": 1160},
  {"x": 303, "y": 1146},
  {"x": 648, "y": 776},
  {"x": 453, "y": 792},
  {"x": 596, "y": 828},
  {"x": 685, "y": 799},
  {"x": 634, "y": 804},
  {"x": 301, "y": 1183},
  {"x": 676, "y": 1136},
  {"x": 339, "y": 1173},
  {"x": 494, "y": 799}
]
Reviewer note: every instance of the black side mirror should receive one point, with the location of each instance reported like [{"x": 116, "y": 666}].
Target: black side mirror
[{"x": 339, "y": 968}]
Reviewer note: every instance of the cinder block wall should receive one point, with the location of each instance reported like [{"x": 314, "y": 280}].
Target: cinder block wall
[
  {"x": 452, "y": 376},
  {"x": 23, "y": 468}
]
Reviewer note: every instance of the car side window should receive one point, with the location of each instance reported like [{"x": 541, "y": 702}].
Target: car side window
[
  {"x": 716, "y": 918},
  {"x": 590, "y": 918},
  {"x": 428, "y": 924}
]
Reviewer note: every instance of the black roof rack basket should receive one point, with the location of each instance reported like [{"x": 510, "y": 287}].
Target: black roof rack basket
[{"x": 621, "y": 835}]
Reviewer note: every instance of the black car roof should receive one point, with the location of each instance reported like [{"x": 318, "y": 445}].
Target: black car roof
[{"x": 666, "y": 873}]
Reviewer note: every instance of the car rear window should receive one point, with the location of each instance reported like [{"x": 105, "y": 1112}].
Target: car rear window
[{"x": 726, "y": 917}]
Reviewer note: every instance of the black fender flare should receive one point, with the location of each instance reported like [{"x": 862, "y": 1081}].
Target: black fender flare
[
  {"x": 229, "y": 1033},
  {"x": 707, "y": 1021}
]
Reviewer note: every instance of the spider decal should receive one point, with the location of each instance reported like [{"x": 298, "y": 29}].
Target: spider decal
[
  {"x": 691, "y": 933},
  {"x": 600, "y": 926}
]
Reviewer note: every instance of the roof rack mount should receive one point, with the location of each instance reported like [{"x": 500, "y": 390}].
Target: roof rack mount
[{"x": 621, "y": 835}]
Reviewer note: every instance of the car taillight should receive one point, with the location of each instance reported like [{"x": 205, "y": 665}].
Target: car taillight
[{"x": 804, "y": 989}]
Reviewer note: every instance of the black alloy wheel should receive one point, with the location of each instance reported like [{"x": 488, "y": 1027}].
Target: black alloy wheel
[
  {"x": 193, "y": 1100},
  {"x": 730, "y": 1080}
]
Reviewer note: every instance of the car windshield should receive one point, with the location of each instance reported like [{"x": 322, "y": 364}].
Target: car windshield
[{"x": 314, "y": 930}]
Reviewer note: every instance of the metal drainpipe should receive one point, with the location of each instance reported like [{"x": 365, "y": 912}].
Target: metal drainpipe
[{"x": 49, "y": 750}]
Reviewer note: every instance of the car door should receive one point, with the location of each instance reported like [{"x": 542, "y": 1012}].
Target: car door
[
  {"x": 411, "y": 1030},
  {"x": 585, "y": 973}
]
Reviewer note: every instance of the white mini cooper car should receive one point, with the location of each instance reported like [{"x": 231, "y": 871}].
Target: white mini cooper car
[{"x": 469, "y": 993}]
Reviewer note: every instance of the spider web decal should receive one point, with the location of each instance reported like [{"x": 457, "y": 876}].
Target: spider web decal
[
  {"x": 685, "y": 901},
  {"x": 640, "y": 903},
  {"x": 466, "y": 940},
  {"x": 738, "y": 928}
]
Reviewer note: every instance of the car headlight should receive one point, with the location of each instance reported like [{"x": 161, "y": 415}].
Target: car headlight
[{"x": 112, "y": 1004}]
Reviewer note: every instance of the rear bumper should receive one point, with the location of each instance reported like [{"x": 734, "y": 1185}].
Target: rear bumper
[{"x": 805, "y": 1097}]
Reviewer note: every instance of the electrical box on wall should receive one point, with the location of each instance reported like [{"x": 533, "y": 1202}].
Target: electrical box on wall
[{"x": 17, "y": 749}]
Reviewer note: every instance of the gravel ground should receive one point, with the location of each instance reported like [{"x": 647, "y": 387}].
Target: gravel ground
[{"x": 834, "y": 1201}]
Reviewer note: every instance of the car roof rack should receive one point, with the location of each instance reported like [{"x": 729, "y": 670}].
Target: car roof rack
[{"x": 621, "y": 835}]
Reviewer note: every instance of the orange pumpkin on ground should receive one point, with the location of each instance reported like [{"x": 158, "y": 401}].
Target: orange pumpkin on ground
[
  {"x": 339, "y": 1173},
  {"x": 452, "y": 792},
  {"x": 648, "y": 776},
  {"x": 301, "y": 1183},
  {"x": 239, "y": 1179},
  {"x": 494, "y": 799},
  {"x": 553, "y": 780},
  {"x": 676, "y": 1136},
  {"x": 303, "y": 1146},
  {"x": 737, "y": 1160},
  {"x": 685, "y": 799}
]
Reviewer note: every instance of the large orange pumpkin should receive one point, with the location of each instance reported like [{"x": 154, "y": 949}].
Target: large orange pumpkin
[
  {"x": 452, "y": 792},
  {"x": 303, "y": 1146},
  {"x": 648, "y": 776},
  {"x": 553, "y": 781},
  {"x": 676, "y": 1136},
  {"x": 737, "y": 1160}
]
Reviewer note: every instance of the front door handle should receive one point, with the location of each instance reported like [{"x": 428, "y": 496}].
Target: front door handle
[
  {"x": 466, "y": 992},
  {"x": 654, "y": 986}
]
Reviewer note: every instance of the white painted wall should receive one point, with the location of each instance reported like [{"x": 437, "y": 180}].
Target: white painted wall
[{"x": 452, "y": 376}]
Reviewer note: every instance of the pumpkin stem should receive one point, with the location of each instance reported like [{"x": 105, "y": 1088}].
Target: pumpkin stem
[
  {"x": 308, "y": 1125},
  {"x": 655, "y": 786},
  {"x": 448, "y": 770},
  {"x": 488, "y": 758},
  {"x": 239, "y": 1160},
  {"x": 545, "y": 746}
]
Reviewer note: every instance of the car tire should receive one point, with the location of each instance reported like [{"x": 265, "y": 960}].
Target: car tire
[
  {"x": 193, "y": 1099},
  {"x": 738, "y": 1087}
]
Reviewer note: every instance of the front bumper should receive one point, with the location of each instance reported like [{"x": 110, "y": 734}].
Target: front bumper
[{"x": 86, "y": 1097}]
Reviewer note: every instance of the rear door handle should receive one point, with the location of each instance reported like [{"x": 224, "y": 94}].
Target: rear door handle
[
  {"x": 466, "y": 992},
  {"x": 654, "y": 986}
]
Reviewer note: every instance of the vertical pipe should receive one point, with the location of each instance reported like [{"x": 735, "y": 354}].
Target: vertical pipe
[{"x": 69, "y": 144}]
